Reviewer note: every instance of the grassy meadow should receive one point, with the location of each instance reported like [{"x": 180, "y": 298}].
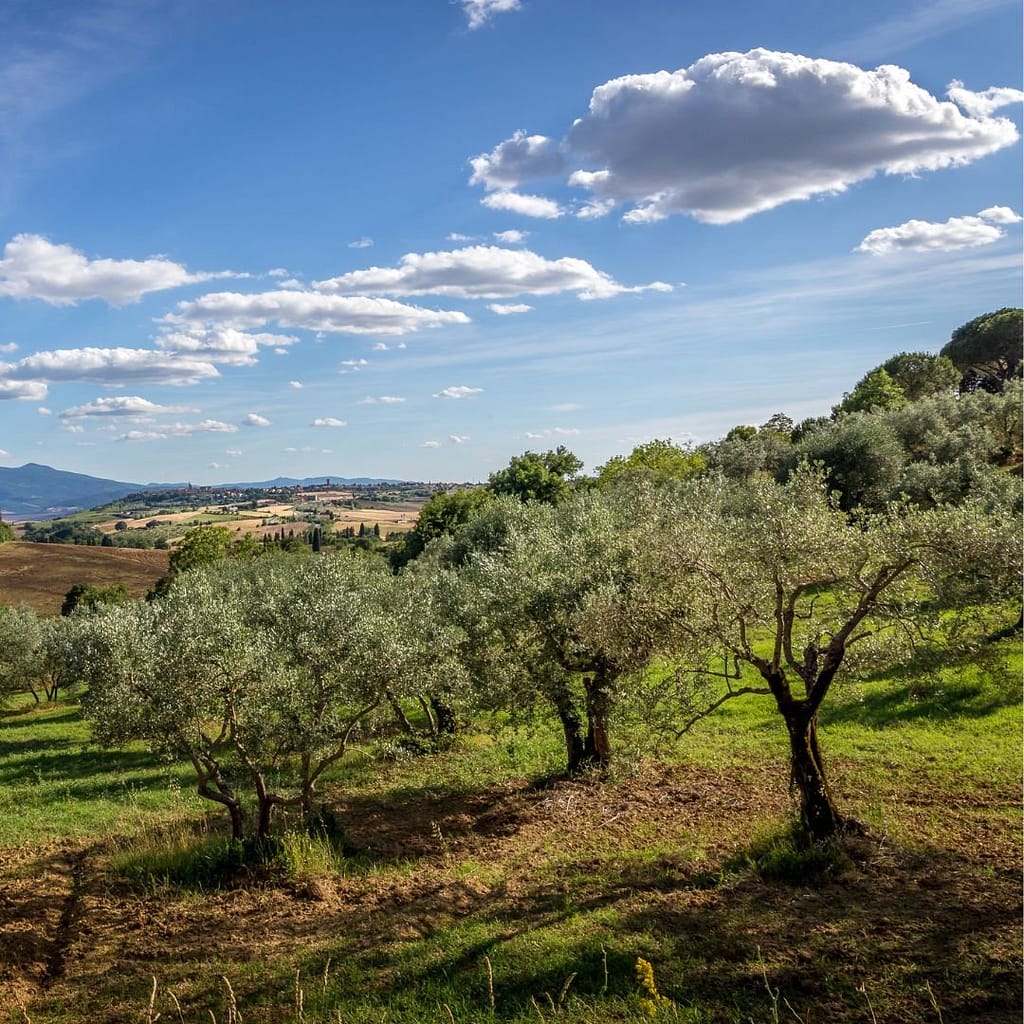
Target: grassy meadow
[{"x": 476, "y": 885}]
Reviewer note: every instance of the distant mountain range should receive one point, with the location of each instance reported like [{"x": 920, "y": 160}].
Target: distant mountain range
[{"x": 33, "y": 491}]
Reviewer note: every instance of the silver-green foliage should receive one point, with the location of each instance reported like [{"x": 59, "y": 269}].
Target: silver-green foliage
[
  {"x": 260, "y": 675},
  {"x": 789, "y": 593}
]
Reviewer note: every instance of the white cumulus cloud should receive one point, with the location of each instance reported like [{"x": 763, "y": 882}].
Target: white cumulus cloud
[
  {"x": 525, "y": 204},
  {"x": 313, "y": 311},
  {"x": 982, "y": 104},
  {"x": 27, "y": 390},
  {"x": 224, "y": 345},
  {"x": 361, "y": 243},
  {"x": 1000, "y": 215},
  {"x": 114, "y": 367},
  {"x": 509, "y": 309},
  {"x": 737, "y": 133},
  {"x": 519, "y": 158},
  {"x": 131, "y": 406},
  {"x": 458, "y": 438},
  {"x": 329, "y": 421},
  {"x": 947, "y": 236},
  {"x": 512, "y": 236},
  {"x": 178, "y": 430},
  {"x": 431, "y": 444},
  {"x": 33, "y": 267},
  {"x": 381, "y": 399},
  {"x": 482, "y": 272},
  {"x": 254, "y": 419}
]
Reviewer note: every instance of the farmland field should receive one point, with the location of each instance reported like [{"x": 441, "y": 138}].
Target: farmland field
[{"x": 39, "y": 575}]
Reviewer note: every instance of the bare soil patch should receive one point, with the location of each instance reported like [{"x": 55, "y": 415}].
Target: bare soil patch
[
  {"x": 39, "y": 575},
  {"x": 663, "y": 852}
]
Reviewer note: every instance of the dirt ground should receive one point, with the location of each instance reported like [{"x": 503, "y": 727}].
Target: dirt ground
[
  {"x": 944, "y": 917},
  {"x": 39, "y": 575}
]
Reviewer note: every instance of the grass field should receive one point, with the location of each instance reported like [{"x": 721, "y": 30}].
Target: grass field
[
  {"x": 39, "y": 575},
  {"x": 476, "y": 886}
]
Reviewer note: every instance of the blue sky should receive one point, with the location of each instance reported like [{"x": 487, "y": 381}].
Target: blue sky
[{"x": 412, "y": 238}]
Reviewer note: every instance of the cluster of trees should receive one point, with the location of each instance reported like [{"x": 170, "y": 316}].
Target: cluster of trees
[{"x": 771, "y": 565}]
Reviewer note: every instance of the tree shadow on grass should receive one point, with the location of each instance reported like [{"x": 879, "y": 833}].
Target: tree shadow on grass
[
  {"x": 899, "y": 929},
  {"x": 430, "y": 822},
  {"x": 29, "y": 717},
  {"x": 923, "y": 699}
]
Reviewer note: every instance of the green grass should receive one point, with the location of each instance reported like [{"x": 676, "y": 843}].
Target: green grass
[
  {"x": 55, "y": 785},
  {"x": 483, "y": 890}
]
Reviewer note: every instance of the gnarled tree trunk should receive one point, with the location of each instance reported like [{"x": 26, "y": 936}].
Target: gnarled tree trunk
[
  {"x": 572, "y": 727},
  {"x": 817, "y": 809}
]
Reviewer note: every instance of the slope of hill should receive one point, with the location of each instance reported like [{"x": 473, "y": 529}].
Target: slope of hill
[
  {"x": 39, "y": 491},
  {"x": 39, "y": 575}
]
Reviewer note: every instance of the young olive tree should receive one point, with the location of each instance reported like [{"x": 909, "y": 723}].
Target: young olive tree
[
  {"x": 801, "y": 593},
  {"x": 565, "y": 609},
  {"x": 21, "y": 636},
  {"x": 34, "y": 654}
]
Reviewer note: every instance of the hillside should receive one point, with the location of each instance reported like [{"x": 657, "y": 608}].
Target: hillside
[
  {"x": 40, "y": 491},
  {"x": 39, "y": 575}
]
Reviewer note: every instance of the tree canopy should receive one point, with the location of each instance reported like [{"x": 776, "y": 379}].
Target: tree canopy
[
  {"x": 987, "y": 349},
  {"x": 661, "y": 460},
  {"x": 537, "y": 477}
]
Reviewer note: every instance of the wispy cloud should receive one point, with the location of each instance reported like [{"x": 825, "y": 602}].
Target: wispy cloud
[
  {"x": 908, "y": 28},
  {"x": 480, "y": 12}
]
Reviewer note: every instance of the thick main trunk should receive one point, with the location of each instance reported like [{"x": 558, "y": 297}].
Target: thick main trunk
[
  {"x": 207, "y": 772},
  {"x": 447, "y": 722},
  {"x": 597, "y": 751},
  {"x": 817, "y": 809},
  {"x": 572, "y": 727}
]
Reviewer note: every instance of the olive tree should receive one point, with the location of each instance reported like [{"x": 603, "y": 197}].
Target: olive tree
[
  {"x": 359, "y": 640},
  {"x": 34, "y": 653},
  {"x": 259, "y": 675},
  {"x": 795, "y": 593},
  {"x": 21, "y": 638},
  {"x": 186, "y": 675},
  {"x": 563, "y": 609}
]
